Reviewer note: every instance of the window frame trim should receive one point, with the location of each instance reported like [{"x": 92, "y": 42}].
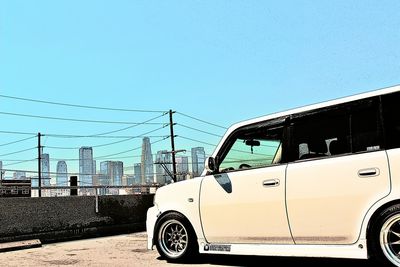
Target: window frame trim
[{"x": 230, "y": 141}]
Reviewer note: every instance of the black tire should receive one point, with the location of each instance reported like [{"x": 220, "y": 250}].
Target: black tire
[
  {"x": 175, "y": 238},
  {"x": 384, "y": 236}
]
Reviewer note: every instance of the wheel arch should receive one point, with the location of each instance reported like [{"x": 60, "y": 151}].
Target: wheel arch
[
  {"x": 373, "y": 219},
  {"x": 166, "y": 212}
]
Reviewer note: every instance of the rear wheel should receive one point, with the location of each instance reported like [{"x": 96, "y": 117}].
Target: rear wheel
[
  {"x": 385, "y": 237},
  {"x": 176, "y": 239}
]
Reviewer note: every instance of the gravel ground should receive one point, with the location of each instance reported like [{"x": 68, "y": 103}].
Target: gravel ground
[{"x": 130, "y": 250}]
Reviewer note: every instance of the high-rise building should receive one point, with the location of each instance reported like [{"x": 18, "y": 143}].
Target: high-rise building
[
  {"x": 101, "y": 179},
  {"x": 198, "y": 159},
  {"x": 113, "y": 170},
  {"x": 129, "y": 180},
  {"x": 62, "y": 178},
  {"x": 94, "y": 168},
  {"x": 161, "y": 174},
  {"x": 137, "y": 170},
  {"x": 45, "y": 169},
  {"x": 85, "y": 166},
  {"x": 19, "y": 175},
  {"x": 182, "y": 168},
  {"x": 62, "y": 175},
  {"x": 147, "y": 162},
  {"x": 2, "y": 173}
]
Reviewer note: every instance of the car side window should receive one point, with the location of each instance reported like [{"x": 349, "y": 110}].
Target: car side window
[
  {"x": 349, "y": 128},
  {"x": 366, "y": 126},
  {"x": 391, "y": 119},
  {"x": 320, "y": 134},
  {"x": 253, "y": 148}
]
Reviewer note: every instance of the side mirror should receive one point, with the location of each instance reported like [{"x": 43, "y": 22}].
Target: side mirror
[{"x": 210, "y": 165}]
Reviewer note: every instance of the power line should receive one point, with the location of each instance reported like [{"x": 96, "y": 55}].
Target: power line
[
  {"x": 198, "y": 130},
  {"x": 13, "y": 132},
  {"x": 106, "y": 144},
  {"x": 76, "y": 120},
  {"x": 21, "y": 140},
  {"x": 129, "y": 150},
  {"x": 116, "y": 142},
  {"x": 19, "y": 162},
  {"x": 203, "y": 121},
  {"x": 68, "y": 173},
  {"x": 197, "y": 141},
  {"x": 20, "y": 151},
  {"x": 80, "y": 106},
  {"x": 202, "y": 142},
  {"x": 98, "y": 135},
  {"x": 132, "y": 126},
  {"x": 88, "y": 136}
]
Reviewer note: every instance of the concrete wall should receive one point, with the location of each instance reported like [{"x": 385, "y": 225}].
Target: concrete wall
[{"x": 60, "y": 218}]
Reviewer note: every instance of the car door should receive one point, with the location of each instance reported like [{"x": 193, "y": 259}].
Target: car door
[
  {"x": 338, "y": 171},
  {"x": 245, "y": 201}
]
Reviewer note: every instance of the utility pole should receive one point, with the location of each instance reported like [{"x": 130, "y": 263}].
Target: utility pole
[
  {"x": 171, "y": 127},
  {"x": 39, "y": 165}
]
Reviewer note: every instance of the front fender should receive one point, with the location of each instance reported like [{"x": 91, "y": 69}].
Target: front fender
[{"x": 182, "y": 197}]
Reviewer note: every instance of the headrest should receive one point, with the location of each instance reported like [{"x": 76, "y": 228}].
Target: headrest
[
  {"x": 337, "y": 147},
  {"x": 317, "y": 146}
]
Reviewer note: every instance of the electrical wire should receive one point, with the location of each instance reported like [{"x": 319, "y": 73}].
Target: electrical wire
[
  {"x": 16, "y": 152},
  {"x": 129, "y": 150},
  {"x": 237, "y": 150},
  {"x": 200, "y": 120},
  {"x": 76, "y": 120},
  {"x": 197, "y": 141},
  {"x": 116, "y": 142},
  {"x": 80, "y": 106},
  {"x": 19, "y": 162},
  {"x": 68, "y": 173},
  {"x": 13, "y": 132},
  {"x": 198, "y": 130},
  {"x": 21, "y": 140},
  {"x": 132, "y": 126}
]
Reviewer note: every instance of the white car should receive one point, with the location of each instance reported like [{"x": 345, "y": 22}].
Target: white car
[{"x": 316, "y": 181}]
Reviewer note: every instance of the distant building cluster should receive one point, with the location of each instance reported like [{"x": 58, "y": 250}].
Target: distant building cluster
[{"x": 153, "y": 168}]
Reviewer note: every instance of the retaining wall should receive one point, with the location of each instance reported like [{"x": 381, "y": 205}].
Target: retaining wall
[{"x": 61, "y": 218}]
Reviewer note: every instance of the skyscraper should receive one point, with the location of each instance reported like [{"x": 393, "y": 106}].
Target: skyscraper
[
  {"x": 137, "y": 169},
  {"x": 19, "y": 175},
  {"x": 45, "y": 169},
  {"x": 182, "y": 168},
  {"x": 62, "y": 175},
  {"x": 113, "y": 170},
  {"x": 1, "y": 170},
  {"x": 94, "y": 168},
  {"x": 198, "y": 159},
  {"x": 147, "y": 162},
  {"x": 163, "y": 157},
  {"x": 85, "y": 166}
]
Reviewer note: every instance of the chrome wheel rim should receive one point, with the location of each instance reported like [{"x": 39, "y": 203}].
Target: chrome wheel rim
[
  {"x": 390, "y": 239},
  {"x": 173, "y": 238}
]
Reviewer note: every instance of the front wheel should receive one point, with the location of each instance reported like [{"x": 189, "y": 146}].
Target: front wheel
[{"x": 176, "y": 239}]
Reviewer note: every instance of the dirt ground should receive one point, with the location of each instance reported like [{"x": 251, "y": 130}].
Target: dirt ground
[{"x": 130, "y": 250}]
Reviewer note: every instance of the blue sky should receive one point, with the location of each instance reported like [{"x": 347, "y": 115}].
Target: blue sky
[{"x": 220, "y": 61}]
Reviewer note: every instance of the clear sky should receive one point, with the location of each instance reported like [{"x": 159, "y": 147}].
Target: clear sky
[{"x": 220, "y": 61}]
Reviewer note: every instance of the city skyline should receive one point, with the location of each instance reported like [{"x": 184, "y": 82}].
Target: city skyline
[{"x": 112, "y": 172}]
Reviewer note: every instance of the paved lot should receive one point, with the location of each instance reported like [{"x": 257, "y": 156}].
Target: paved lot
[{"x": 130, "y": 250}]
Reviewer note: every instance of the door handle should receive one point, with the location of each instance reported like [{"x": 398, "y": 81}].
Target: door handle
[
  {"x": 271, "y": 182},
  {"x": 370, "y": 172}
]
